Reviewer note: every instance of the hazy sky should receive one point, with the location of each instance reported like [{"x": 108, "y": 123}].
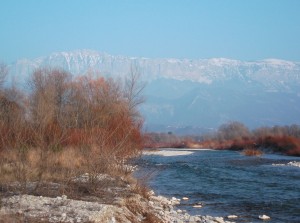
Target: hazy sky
[{"x": 237, "y": 29}]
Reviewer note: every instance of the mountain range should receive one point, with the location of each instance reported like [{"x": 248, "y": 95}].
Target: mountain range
[{"x": 189, "y": 96}]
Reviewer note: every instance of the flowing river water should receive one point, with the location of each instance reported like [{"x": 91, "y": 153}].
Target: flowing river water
[{"x": 226, "y": 183}]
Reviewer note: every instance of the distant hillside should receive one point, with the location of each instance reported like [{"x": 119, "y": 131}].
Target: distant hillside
[{"x": 189, "y": 96}]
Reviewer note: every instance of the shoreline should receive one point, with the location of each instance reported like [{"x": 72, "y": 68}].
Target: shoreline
[
  {"x": 129, "y": 206},
  {"x": 172, "y": 151},
  {"x": 134, "y": 207},
  {"x": 62, "y": 209},
  {"x": 269, "y": 161}
]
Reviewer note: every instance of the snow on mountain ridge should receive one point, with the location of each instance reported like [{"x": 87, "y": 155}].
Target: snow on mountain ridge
[
  {"x": 199, "y": 70},
  {"x": 280, "y": 62}
]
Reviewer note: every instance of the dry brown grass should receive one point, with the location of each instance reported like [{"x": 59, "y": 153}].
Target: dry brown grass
[
  {"x": 62, "y": 167},
  {"x": 139, "y": 207},
  {"x": 141, "y": 189},
  {"x": 141, "y": 183}
]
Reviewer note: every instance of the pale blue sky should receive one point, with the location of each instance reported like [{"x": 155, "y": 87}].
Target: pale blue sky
[{"x": 237, "y": 29}]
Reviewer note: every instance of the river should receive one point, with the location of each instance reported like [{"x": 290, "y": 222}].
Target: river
[{"x": 226, "y": 183}]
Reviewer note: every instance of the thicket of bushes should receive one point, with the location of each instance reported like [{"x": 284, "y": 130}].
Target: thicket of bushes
[
  {"x": 236, "y": 136},
  {"x": 66, "y": 126}
]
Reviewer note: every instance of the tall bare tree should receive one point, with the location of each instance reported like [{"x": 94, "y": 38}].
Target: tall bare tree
[
  {"x": 133, "y": 90},
  {"x": 3, "y": 73},
  {"x": 48, "y": 95}
]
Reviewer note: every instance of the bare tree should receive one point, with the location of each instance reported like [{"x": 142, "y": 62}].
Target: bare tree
[
  {"x": 3, "y": 73},
  {"x": 232, "y": 130},
  {"x": 49, "y": 95},
  {"x": 133, "y": 90}
]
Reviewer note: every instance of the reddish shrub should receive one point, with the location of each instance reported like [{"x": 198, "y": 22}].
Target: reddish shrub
[{"x": 252, "y": 152}]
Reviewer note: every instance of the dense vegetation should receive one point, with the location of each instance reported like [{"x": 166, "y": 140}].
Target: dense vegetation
[
  {"x": 236, "y": 136},
  {"x": 66, "y": 127}
]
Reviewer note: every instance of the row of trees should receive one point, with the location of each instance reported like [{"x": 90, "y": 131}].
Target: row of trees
[
  {"x": 164, "y": 140},
  {"x": 235, "y": 135},
  {"x": 237, "y": 130},
  {"x": 91, "y": 122}
]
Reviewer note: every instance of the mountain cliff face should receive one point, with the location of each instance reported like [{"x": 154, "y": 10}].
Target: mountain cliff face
[{"x": 198, "y": 93}]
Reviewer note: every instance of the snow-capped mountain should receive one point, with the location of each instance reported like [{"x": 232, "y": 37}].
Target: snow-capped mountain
[
  {"x": 201, "y": 70},
  {"x": 198, "y": 92}
]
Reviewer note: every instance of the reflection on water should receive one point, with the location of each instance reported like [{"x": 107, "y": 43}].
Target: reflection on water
[{"x": 227, "y": 183}]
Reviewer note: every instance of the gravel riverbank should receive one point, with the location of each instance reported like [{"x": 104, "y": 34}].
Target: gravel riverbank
[
  {"x": 29, "y": 208},
  {"x": 113, "y": 199}
]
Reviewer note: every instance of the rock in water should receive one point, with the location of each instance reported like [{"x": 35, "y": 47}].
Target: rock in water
[
  {"x": 232, "y": 216},
  {"x": 264, "y": 217}
]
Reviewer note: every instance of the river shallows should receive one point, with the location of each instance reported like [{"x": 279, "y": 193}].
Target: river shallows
[{"x": 228, "y": 183}]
